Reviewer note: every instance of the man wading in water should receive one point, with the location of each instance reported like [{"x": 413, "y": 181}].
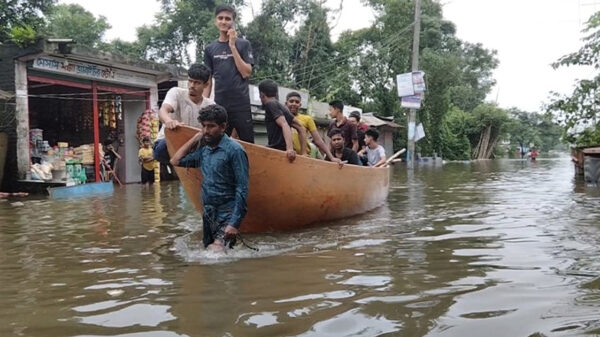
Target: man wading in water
[{"x": 224, "y": 167}]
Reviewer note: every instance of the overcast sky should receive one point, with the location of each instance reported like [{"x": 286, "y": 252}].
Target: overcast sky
[{"x": 528, "y": 34}]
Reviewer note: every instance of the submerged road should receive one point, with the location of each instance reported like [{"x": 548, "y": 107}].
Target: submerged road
[{"x": 497, "y": 248}]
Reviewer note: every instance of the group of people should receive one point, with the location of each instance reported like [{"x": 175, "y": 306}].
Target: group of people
[{"x": 223, "y": 162}]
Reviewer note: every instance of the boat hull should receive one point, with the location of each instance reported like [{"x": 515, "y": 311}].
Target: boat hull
[
  {"x": 286, "y": 196},
  {"x": 80, "y": 191}
]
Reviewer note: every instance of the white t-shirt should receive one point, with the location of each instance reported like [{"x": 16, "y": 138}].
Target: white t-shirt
[
  {"x": 375, "y": 155},
  {"x": 184, "y": 110}
]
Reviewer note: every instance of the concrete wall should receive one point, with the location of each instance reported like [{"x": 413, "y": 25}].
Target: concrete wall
[{"x": 132, "y": 168}]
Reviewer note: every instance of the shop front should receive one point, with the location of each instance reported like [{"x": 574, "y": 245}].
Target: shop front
[{"x": 71, "y": 107}]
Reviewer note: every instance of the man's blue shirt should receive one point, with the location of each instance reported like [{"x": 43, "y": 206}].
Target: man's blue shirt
[{"x": 224, "y": 177}]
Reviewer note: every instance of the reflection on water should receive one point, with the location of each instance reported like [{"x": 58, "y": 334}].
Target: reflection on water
[{"x": 496, "y": 248}]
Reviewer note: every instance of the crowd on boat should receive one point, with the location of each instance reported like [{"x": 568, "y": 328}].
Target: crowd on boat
[{"x": 223, "y": 162}]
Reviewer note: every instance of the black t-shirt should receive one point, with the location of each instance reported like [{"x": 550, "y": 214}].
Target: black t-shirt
[
  {"x": 348, "y": 130},
  {"x": 231, "y": 89},
  {"x": 109, "y": 158},
  {"x": 349, "y": 156},
  {"x": 361, "y": 139},
  {"x": 274, "y": 109}
]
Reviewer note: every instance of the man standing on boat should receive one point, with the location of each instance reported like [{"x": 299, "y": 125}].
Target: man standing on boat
[
  {"x": 224, "y": 167},
  {"x": 293, "y": 102},
  {"x": 230, "y": 59},
  {"x": 340, "y": 121},
  {"x": 279, "y": 120},
  {"x": 181, "y": 106}
]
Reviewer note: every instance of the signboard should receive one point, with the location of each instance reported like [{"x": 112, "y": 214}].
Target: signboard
[
  {"x": 420, "y": 132},
  {"x": 405, "y": 85},
  {"x": 411, "y": 130},
  {"x": 418, "y": 80},
  {"x": 92, "y": 71},
  {"x": 411, "y": 102}
]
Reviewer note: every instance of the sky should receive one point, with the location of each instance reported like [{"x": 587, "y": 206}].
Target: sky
[{"x": 528, "y": 35}]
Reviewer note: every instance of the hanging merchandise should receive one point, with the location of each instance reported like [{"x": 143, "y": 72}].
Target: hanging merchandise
[
  {"x": 106, "y": 118},
  {"x": 119, "y": 108},
  {"x": 113, "y": 115},
  {"x": 144, "y": 124}
]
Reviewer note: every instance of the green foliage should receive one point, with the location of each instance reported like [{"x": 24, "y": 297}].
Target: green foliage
[
  {"x": 578, "y": 112},
  {"x": 271, "y": 43},
  {"x": 530, "y": 128},
  {"x": 312, "y": 50},
  {"x": 23, "y": 35},
  {"x": 455, "y": 135},
  {"x": 74, "y": 22},
  {"x": 180, "y": 25},
  {"x": 26, "y": 14}
]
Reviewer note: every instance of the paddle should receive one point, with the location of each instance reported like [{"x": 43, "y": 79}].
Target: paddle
[{"x": 387, "y": 162}]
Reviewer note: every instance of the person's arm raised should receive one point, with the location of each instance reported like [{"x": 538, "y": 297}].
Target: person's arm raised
[
  {"x": 244, "y": 68},
  {"x": 185, "y": 149}
]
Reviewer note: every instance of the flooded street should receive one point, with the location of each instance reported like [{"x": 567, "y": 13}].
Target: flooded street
[{"x": 498, "y": 248}]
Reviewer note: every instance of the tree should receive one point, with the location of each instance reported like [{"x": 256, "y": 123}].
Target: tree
[
  {"x": 74, "y": 22},
  {"x": 20, "y": 15},
  {"x": 578, "y": 113},
  {"x": 312, "y": 50},
  {"x": 181, "y": 26},
  {"x": 488, "y": 125},
  {"x": 271, "y": 42}
]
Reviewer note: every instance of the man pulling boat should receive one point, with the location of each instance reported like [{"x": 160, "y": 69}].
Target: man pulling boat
[{"x": 224, "y": 167}]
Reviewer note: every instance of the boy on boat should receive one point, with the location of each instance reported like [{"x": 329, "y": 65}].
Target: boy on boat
[
  {"x": 224, "y": 167},
  {"x": 340, "y": 121},
  {"x": 279, "y": 121},
  {"x": 293, "y": 102},
  {"x": 230, "y": 59},
  {"x": 375, "y": 152},
  {"x": 341, "y": 152},
  {"x": 181, "y": 106}
]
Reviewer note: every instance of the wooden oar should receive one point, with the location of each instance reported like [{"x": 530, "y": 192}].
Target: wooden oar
[{"x": 387, "y": 162}]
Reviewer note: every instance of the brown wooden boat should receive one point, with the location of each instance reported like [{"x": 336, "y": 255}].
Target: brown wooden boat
[{"x": 287, "y": 196}]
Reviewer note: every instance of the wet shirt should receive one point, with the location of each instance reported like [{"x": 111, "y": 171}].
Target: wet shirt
[
  {"x": 231, "y": 89},
  {"x": 224, "y": 177},
  {"x": 348, "y": 130},
  {"x": 273, "y": 110}
]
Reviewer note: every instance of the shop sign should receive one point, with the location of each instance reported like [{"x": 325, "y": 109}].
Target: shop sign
[{"x": 91, "y": 71}]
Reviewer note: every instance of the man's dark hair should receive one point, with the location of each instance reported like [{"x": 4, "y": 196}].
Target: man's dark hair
[
  {"x": 213, "y": 113},
  {"x": 356, "y": 115},
  {"x": 268, "y": 88},
  {"x": 334, "y": 132},
  {"x": 225, "y": 8},
  {"x": 199, "y": 72},
  {"x": 372, "y": 133},
  {"x": 337, "y": 104},
  {"x": 293, "y": 94},
  {"x": 107, "y": 142},
  {"x": 145, "y": 139}
]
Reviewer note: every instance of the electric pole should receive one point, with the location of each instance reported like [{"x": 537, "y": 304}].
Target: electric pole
[{"x": 412, "y": 115}]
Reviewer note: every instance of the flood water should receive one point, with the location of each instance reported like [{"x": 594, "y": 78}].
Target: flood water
[{"x": 499, "y": 248}]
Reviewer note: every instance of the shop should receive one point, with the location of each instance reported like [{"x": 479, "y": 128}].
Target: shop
[{"x": 72, "y": 100}]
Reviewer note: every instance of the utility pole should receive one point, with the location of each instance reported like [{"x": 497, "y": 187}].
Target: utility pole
[{"x": 412, "y": 115}]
